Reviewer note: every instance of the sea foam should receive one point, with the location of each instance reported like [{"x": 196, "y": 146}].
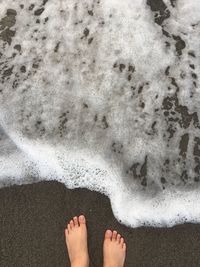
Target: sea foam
[{"x": 104, "y": 95}]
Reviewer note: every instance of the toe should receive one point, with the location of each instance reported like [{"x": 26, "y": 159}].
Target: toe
[
  {"x": 122, "y": 241},
  {"x": 124, "y": 247},
  {"x": 75, "y": 219},
  {"x": 68, "y": 227},
  {"x": 118, "y": 238},
  {"x": 72, "y": 224},
  {"x": 108, "y": 234},
  {"x": 66, "y": 232},
  {"x": 114, "y": 235},
  {"x": 82, "y": 219}
]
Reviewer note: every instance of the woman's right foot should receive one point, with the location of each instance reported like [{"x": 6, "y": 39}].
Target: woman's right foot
[{"x": 114, "y": 250}]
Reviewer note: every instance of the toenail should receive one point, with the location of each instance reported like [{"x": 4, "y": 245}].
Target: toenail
[
  {"x": 108, "y": 233},
  {"x": 82, "y": 218},
  {"x": 115, "y": 233}
]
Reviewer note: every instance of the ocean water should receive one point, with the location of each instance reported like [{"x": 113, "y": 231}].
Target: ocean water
[{"x": 105, "y": 95}]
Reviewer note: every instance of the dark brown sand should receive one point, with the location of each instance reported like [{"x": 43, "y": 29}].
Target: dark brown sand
[{"x": 33, "y": 217}]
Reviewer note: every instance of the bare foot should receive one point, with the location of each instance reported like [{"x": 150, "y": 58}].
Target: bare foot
[
  {"x": 76, "y": 240},
  {"x": 114, "y": 249}
]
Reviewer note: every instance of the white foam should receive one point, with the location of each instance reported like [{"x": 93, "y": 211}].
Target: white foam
[{"x": 76, "y": 113}]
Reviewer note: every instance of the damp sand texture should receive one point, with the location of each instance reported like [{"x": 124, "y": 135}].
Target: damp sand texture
[
  {"x": 104, "y": 95},
  {"x": 34, "y": 218}
]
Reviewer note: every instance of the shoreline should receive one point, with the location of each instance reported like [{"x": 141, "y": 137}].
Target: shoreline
[{"x": 36, "y": 215}]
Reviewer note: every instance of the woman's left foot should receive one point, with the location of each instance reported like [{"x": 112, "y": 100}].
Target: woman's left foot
[{"x": 76, "y": 241}]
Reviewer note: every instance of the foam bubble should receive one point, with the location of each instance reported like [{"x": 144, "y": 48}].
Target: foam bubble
[{"x": 104, "y": 95}]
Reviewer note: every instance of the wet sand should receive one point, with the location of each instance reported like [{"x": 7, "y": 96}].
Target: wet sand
[{"x": 33, "y": 217}]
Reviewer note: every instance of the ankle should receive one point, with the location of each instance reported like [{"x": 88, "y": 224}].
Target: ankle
[{"x": 80, "y": 262}]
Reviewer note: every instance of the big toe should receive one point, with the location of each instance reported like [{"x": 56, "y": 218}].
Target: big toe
[
  {"x": 108, "y": 234},
  {"x": 82, "y": 219}
]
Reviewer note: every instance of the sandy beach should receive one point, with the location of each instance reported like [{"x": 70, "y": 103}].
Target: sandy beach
[
  {"x": 119, "y": 79},
  {"x": 32, "y": 224}
]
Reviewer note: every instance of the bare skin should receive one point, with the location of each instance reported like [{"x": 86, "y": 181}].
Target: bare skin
[
  {"x": 114, "y": 248},
  {"x": 76, "y": 240}
]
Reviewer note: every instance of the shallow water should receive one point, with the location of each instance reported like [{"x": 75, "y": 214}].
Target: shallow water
[{"x": 104, "y": 95}]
